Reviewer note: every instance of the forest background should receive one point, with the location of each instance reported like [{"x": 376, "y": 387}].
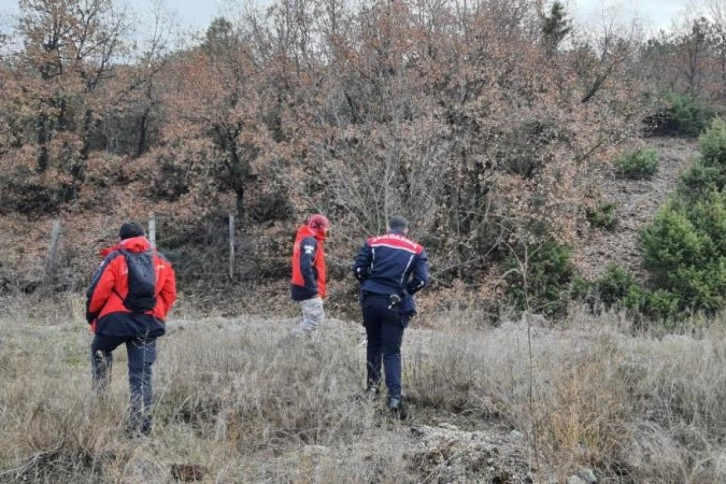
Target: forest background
[{"x": 485, "y": 123}]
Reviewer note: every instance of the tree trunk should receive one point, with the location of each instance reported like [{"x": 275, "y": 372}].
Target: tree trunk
[
  {"x": 240, "y": 203},
  {"x": 143, "y": 127},
  {"x": 87, "y": 128},
  {"x": 43, "y": 136}
]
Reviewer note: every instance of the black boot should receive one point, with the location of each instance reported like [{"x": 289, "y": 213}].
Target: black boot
[
  {"x": 397, "y": 409},
  {"x": 373, "y": 392}
]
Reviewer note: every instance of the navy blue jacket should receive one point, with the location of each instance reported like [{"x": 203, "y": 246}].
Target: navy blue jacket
[{"x": 391, "y": 264}]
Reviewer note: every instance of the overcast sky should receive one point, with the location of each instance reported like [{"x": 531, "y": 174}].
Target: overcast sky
[{"x": 197, "y": 14}]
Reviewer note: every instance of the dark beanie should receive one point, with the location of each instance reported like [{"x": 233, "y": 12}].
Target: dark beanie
[
  {"x": 129, "y": 230},
  {"x": 397, "y": 223}
]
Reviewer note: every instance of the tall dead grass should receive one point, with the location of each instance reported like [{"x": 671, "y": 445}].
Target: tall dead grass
[
  {"x": 636, "y": 408},
  {"x": 239, "y": 402}
]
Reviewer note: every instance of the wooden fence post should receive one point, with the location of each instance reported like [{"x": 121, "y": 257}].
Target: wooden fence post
[
  {"x": 152, "y": 230},
  {"x": 231, "y": 246},
  {"x": 53, "y": 251}
]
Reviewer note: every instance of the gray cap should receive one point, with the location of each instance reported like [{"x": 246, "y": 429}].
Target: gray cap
[{"x": 397, "y": 222}]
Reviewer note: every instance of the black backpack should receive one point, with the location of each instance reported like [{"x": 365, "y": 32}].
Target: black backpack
[{"x": 141, "y": 281}]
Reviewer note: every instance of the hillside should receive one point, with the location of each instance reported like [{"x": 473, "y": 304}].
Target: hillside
[
  {"x": 25, "y": 245},
  {"x": 637, "y": 202},
  {"x": 478, "y": 124}
]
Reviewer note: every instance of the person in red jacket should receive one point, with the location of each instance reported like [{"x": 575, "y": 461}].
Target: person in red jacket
[
  {"x": 308, "y": 272},
  {"x": 128, "y": 300}
]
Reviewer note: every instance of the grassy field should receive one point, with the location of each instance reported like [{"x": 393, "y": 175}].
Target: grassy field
[{"x": 238, "y": 402}]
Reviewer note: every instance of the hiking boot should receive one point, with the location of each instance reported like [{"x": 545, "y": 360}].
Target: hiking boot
[
  {"x": 373, "y": 392},
  {"x": 136, "y": 429},
  {"x": 297, "y": 333},
  {"x": 135, "y": 433},
  {"x": 294, "y": 337},
  {"x": 397, "y": 409},
  {"x": 146, "y": 428}
]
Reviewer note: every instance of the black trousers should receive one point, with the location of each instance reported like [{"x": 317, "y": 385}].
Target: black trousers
[
  {"x": 141, "y": 353},
  {"x": 384, "y": 331}
]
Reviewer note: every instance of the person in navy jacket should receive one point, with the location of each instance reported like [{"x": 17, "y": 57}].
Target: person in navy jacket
[{"x": 391, "y": 268}]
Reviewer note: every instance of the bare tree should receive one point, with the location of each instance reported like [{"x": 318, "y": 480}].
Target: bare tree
[{"x": 71, "y": 45}]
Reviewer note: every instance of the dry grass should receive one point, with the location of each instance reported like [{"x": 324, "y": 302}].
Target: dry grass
[{"x": 235, "y": 402}]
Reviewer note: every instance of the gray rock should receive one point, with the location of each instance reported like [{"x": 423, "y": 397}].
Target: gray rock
[
  {"x": 314, "y": 450},
  {"x": 575, "y": 480},
  {"x": 516, "y": 435},
  {"x": 587, "y": 475}
]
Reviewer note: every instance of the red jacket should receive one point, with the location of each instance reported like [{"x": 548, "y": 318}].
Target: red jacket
[
  {"x": 308, "y": 264},
  {"x": 109, "y": 287}
]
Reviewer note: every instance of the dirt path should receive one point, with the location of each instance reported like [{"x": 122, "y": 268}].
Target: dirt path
[{"x": 637, "y": 203}]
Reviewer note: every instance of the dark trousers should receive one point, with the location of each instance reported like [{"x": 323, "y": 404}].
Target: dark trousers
[
  {"x": 141, "y": 354},
  {"x": 384, "y": 330}
]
